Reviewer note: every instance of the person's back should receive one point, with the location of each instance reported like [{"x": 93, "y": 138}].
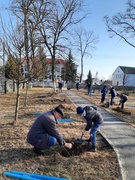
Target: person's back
[
  {"x": 124, "y": 96},
  {"x": 92, "y": 115},
  {"x": 113, "y": 92},
  {"x": 94, "y": 120}
]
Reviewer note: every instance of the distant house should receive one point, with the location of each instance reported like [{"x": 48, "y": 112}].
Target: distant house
[
  {"x": 59, "y": 64},
  {"x": 124, "y": 76}
]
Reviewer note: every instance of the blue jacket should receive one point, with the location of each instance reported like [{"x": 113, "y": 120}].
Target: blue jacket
[{"x": 104, "y": 91}]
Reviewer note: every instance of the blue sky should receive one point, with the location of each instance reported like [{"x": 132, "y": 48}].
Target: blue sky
[{"x": 110, "y": 52}]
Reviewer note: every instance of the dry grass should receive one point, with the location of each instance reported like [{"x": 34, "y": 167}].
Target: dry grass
[{"x": 17, "y": 154}]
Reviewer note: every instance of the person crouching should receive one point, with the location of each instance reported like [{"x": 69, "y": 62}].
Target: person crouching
[{"x": 44, "y": 133}]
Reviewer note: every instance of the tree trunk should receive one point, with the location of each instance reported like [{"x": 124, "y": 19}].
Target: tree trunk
[
  {"x": 17, "y": 104},
  {"x": 13, "y": 86},
  {"x": 81, "y": 69},
  {"x": 53, "y": 78},
  {"x": 26, "y": 95}
]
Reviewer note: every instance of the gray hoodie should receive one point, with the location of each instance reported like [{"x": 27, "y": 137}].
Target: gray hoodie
[{"x": 92, "y": 117}]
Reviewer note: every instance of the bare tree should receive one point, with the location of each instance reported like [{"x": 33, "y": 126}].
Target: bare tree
[
  {"x": 85, "y": 41},
  {"x": 123, "y": 25},
  {"x": 21, "y": 9},
  {"x": 18, "y": 37},
  {"x": 14, "y": 47},
  {"x": 54, "y": 20}
]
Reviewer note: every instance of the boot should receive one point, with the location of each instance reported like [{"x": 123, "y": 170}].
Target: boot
[
  {"x": 92, "y": 149},
  {"x": 38, "y": 151}
]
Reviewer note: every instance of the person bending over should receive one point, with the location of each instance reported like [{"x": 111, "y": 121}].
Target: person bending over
[
  {"x": 123, "y": 99},
  {"x": 94, "y": 120}
]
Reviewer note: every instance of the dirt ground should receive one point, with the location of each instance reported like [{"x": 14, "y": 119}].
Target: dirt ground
[{"x": 76, "y": 164}]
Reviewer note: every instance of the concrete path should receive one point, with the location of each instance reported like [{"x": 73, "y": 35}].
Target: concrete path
[{"x": 119, "y": 134}]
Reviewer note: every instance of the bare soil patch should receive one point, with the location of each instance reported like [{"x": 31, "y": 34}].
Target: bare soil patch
[{"x": 77, "y": 163}]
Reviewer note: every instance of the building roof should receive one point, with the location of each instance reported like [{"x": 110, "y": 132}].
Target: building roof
[
  {"x": 128, "y": 70},
  {"x": 57, "y": 61},
  {"x": 48, "y": 60}
]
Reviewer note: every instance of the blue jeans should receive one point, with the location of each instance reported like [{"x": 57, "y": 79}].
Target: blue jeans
[
  {"x": 112, "y": 101},
  {"x": 102, "y": 98},
  {"x": 52, "y": 141},
  {"x": 93, "y": 133}
]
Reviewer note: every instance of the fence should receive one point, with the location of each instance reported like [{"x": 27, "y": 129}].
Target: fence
[{"x": 9, "y": 86}]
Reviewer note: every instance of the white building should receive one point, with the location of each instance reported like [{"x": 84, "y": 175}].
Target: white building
[
  {"x": 124, "y": 76},
  {"x": 58, "y": 66}
]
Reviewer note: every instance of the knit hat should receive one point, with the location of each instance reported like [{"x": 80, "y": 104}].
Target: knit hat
[
  {"x": 59, "y": 110},
  {"x": 79, "y": 110}
]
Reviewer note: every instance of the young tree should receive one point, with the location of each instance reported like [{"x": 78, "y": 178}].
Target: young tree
[
  {"x": 54, "y": 20},
  {"x": 21, "y": 9},
  {"x": 122, "y": 25},
  {"x": 15, "y": 73},
  {"x": 16, "y": 39}
]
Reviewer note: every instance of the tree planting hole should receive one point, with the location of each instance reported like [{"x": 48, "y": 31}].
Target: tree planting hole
[{"x": 77, "y": 149}]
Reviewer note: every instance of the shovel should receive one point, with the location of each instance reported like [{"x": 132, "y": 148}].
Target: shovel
[{"x": 79, "y": 140}]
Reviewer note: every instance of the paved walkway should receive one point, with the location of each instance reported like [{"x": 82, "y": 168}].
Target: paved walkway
[{"x": 119, "y": 134}]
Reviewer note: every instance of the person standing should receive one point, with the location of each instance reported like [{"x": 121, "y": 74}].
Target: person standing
[
  {"x": 90, "y": 90},
  {"x": 88, "y": 85},
  {"x": 44, "y": 133},
  {"x": 104, "y": 92},
  {"x": 113, "y": 94},
  {"x": 94, "y": 120},
  {"x": 60, "y": 85},
  {"x": 123, "y": 99},
  {"x": 77, "y": 85}
]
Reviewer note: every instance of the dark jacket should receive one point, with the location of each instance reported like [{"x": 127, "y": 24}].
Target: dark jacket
[
  {"x": 123, "y": 97},
  {"x": 113, "y": 92},
  {"x": 104, "y": 91},
  {"x": 44, "y": 125},
  {"x": 92, "y": 117},
  {"x": 60, "y": 85}
]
